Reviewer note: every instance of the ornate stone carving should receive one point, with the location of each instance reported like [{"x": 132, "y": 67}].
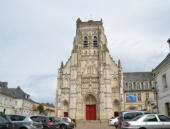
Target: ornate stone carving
[{"x": 95, "y": 73}]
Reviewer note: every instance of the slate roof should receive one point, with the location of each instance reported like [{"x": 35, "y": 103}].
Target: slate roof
[
  {"x": 137, "y": 76},
  {"x": 4, "y": 89},
  {"x": 13, "y": 92}
]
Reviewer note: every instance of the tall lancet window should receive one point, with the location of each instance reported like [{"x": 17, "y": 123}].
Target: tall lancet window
[
  {"x": 85, "y": 41},
  {"x": 95, "y": 44}
]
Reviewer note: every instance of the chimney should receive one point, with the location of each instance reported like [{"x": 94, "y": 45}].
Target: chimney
[
  {"x": 18, "y": 87},
  {"x": 4, "y": 84},
  {"x": 169, "y": 43}
]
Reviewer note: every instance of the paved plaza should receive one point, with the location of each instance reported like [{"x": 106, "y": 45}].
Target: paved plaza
[{"x": 93, "y": 125}]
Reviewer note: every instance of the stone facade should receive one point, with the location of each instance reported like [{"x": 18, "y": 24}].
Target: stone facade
[
  {"x": 14, "y": 100},
  {"x": 141, "y": 85},
  {"x": 162, "y": 77},
  {"x": 90, "y": 76}
]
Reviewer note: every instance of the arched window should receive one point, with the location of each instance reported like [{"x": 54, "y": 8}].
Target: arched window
[
  {"x": 146, "y": 85},
  {"x": 151, "y": 84},
  {"x": 95, "y": 44},
  {"x": 134, "y": 87},
  {"x": 85, "y": 41},
  {"x": 126, "y": 85},
  {"x": 139, "y": 97}
]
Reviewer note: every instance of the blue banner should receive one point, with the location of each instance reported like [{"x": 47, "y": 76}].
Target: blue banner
[{"x": 130, "y": 97}]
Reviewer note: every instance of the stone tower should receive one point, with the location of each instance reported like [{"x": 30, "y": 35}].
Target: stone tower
[{"x": 90, "y": 83}]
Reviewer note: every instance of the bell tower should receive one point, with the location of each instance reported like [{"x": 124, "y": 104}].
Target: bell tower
[{"x": 89, "y": 81}]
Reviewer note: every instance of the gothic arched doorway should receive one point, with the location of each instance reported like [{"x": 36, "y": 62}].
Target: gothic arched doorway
[
  {"x": 65, "y": 111},
  {"x": 90, "y": 107},
  {"x": 116, "y": 105}
]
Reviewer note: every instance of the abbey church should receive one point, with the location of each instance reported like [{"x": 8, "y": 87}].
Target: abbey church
[{"x": 90, "y": 83}]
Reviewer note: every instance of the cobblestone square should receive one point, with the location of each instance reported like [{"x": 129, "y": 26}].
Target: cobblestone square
[{"x": 93, "y": 125}]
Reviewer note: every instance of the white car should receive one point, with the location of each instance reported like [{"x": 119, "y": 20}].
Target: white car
[
  {"x": 113, "y": 120},
  {"x": 148, "y": 121}
]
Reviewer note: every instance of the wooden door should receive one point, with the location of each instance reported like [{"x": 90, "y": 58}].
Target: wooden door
[
  {"x": 65, "y": 114},
  {"x": 91, "y": 112}
]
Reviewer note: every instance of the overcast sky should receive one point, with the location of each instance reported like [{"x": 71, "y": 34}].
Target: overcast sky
[{"x": 36, "y": 35}]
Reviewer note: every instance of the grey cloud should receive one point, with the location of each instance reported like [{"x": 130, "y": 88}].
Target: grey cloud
[
  {"x": 41, "y": 87},
  {"x": 35, "y": 36}
]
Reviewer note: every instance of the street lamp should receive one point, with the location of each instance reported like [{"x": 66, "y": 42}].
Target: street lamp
[{"x": 155, "y": 89}]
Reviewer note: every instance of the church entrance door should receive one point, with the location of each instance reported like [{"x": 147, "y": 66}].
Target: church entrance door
[
  {"x": 65, "y": 106},
  {"x": 65, "y": 114},
  {"x": 90, "y": 107},
  {"x": 91, "y": 112}
]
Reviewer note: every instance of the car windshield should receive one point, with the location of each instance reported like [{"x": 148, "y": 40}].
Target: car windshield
[
  {"x": 164, "y": 118},
  {"x": 131, "y": 115},
  {"x": 136, "y": 118},
  {"x": 57, "y": 119},
  {"x": 65, "y": 119},
  {"x": 35, "y": 118},
  {"x": 3, "y": 119},
  {"x": 42, "y": 119}
]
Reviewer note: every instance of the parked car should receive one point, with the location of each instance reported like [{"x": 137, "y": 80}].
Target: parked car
[
  {"x": 5, "y": 122},
  {"x": 66, "y": 123},
  {"x": 148, "y": 121},
  {"x": 48, "y": 122},
  {"x": 25, "y": 122},
  {"x": 126, "y": 116},
  {"x": 113, "y": 120}
]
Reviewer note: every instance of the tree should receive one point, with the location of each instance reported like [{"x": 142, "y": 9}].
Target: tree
[{"x": 40, "y": 108}]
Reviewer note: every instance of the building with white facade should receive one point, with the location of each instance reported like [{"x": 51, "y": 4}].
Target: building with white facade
[
  {"x": 162, "y": 77},
  {"x": 139, "y": 91},
  {"x": 14, "y": 100}
]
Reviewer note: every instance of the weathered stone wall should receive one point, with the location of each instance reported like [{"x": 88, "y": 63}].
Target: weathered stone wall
[{"x": 90, "y": 71}]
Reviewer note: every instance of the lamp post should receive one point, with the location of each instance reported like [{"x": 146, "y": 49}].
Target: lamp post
[
  {"x": 168, "y": 42},
  {"x": 155, "y": 89}
]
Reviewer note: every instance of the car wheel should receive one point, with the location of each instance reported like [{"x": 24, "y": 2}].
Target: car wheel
[
  {"x": 23, "y": 128},
  {"x": 63, "y": 127}
]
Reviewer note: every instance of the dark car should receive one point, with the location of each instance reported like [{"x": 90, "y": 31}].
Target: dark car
[
  {"x": 62, "y": 123},
  {"x": 126, "y": 116},
  {"x": 66, "y": 123},
  {"x": 25, "y": 122},
  {"x": 47, "y": 122},
  {"x": 5, "y": 122}
]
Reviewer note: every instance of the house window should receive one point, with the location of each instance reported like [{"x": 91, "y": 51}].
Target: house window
[
  {"x": 95, "y": 44},
  {"x": 164, "y": 81},
  {"x": 130, "y": 86},
  {"x": 85, "y": 42},
  {"x": 151, "y": 84},
  {"x": 147, "y": 95},
  {"x": 139, "y": 97},
  {"x": 134, "y": 84},
  {"x": 139, "y": 107},
  {"x": 142, "y": 85},
  {"x": 155, "y": 96},
  {"x": 146, "y": 85},
  {"x": 126, "y": 85},
  {"x": 134, "y": 88}
]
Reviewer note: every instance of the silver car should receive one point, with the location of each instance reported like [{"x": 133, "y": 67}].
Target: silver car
[
  {"x": 25, "y": 122},
  {"x": 148, "y": 121}
]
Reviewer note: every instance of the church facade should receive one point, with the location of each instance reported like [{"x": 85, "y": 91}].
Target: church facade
[{"x": 90, "y": 83}]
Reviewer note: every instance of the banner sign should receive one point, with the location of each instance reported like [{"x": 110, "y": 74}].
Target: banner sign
[{"x": 130, "y": 97}]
